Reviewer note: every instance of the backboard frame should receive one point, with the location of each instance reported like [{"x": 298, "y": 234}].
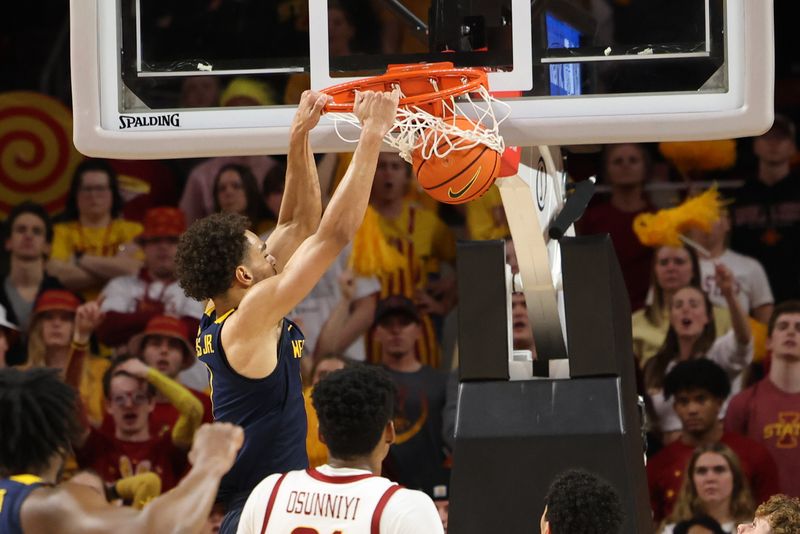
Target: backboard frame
[{"x": 746, "y": 108}]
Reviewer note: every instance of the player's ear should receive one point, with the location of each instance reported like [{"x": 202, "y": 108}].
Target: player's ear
[
  {"x": 389, "y": 433},
  {"x": 243, "y": 275},
  {"x": 320, "y": 436}
]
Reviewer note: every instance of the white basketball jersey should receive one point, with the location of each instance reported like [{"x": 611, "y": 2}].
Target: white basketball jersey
[{"x": 309, "y": 502}]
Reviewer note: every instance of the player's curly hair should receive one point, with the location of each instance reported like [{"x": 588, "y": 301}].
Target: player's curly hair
[
  {"x": 354, "y": 405},
  {"x": 782, "y": 513},
  {"x": 578, "y": 501},
  {"x": 208, "y": 254},
  {"x": 39, "y": 418}
]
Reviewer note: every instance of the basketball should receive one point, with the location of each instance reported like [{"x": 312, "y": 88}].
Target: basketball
[{"x": 461, "y": 175}]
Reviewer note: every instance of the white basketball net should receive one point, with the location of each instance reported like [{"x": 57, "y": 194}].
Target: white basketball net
[{"x": 415, "y": 128}]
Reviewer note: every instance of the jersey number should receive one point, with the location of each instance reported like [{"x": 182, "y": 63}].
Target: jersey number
[
  {"x": 2, "y": 497},
  {"x": 309, "y": 530}
]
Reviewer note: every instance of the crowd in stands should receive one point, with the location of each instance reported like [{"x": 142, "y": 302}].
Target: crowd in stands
[
  {"x": 92, "y": 291},
  {"x": 716, "y": 333}
]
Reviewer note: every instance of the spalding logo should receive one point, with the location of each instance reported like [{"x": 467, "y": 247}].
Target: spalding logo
[{"x": 138, "y": 121}]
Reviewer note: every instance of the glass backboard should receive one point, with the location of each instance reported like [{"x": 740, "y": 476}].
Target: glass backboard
[{"x": 146, "y": 73}]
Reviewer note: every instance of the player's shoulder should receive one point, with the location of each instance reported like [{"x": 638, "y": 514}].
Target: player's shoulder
[{"x": 409, "y": 511}]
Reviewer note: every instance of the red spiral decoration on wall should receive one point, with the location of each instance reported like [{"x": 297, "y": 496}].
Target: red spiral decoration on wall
[{"x": 37, "y": 156}]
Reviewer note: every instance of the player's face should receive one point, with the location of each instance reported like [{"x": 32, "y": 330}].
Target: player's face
[
  {"x": 673, "y": 268},
  {"x": 697, "y": 409},
  {"x": 94, "y": 194},
  {"x": 784, "y": 342},
  {"x": 230, "y": 193},
  {"x": 164, "y": 353},
  {"x": 28, "y": 240},
  {"x": 625, "y": 165},
  {"x": 712, "y": 478},
  {"x": 397, "y": 335},
  {"x": 688, "y": 314},
  {"x": 259, "y": 262},
  {"x": 391, "y": 178},
  {"x": 129, "y": 404},
  {"x": 159, "y": 255},
  {"x": 759, "y": 525},
  {"x": 523, "y": 334},
  {"x": 57, "y": 327}
]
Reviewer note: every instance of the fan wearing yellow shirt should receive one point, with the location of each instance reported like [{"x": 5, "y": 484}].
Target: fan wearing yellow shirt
[
  {"x": 93, "y": 244},
  {"x": 427, "y": 244}
]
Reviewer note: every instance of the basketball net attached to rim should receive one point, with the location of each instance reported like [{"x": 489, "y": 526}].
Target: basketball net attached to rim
[{"x": 429, "y": 123}]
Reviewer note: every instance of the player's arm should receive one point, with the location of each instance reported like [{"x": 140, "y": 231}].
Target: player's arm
[
  {"x": 76, "y": 509},
  {"x": 270, "y": 300},
  {"x": 301, "y": 206}
]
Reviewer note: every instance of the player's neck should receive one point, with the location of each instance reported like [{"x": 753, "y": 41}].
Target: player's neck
[
  {"x": 785, "y": 374},
  {"x": 228, "y": 301},
  {"x": 772, "y": 173},
  {"x": 365, "y": 463}
]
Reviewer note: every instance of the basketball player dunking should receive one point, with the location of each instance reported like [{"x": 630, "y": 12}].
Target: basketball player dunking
[
  {"x": 355, "y": 406},
  {"x": 253, "y": 352}
]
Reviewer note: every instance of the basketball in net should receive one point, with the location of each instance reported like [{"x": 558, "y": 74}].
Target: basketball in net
[
  {"x": 446, "y": 125},
  {"x": 462, "y": 174}
]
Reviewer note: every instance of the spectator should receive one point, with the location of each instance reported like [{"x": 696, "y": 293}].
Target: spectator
[
  {"x": 442, "y": 501},
  {"x": 130, "y": 386},
  {"x": 236, "y": 191},
  {"x": 751, "y": 288},
  {"x": 426, "y": 242},
  {"x": 197, "y": 200},
  {"x": 713, "y": 485},
  {"x": 769, "y": 411},
  {"x": 43, "y": 413},
  {"x": 417, "y": 458},
  {"x": 200, "y": 92},
  {"x": 699, "y": 389},
  {"x": 59, "y": 337},
  {"x": 28, "y": 235},
  {"x": 779, "y": 515},
  {"x": 93, "y": 245},
  {"x": 578, "y": 501},
  {"x": 766, "y": 210},
  {"x": 673, "y": 268},
  {"x": 317, "y": 450},
  {"x": 8, "y": 336},
  {"x": 339, "y": 311},
  {"x": 164, "y": 346},
  {"x": 692, "y": 335},
  {"x": 625, "y": 167},
  {"x": 485, "y": 216}
]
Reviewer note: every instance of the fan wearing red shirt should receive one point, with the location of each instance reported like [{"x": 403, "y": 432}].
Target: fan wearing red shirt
[
  {"x": 164, "y": 346},
  {"x": 130, "y": 387},
  {"x": 699, "y": 388}
]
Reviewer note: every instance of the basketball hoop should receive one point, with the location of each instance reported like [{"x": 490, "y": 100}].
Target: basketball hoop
[{"x": 429, "y": 121}]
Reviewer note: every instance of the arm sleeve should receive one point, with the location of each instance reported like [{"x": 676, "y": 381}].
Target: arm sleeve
[
  {"x": 410, "y": 512},
  {"x": 74, "y": 372},
  {"x": 736, "y": 414},
  {"x": 189, "y": 407},
  {"x": 762, "y": 292},
  {"x": 252, "y": 513},
  {"x": 729, "y": 354}
]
